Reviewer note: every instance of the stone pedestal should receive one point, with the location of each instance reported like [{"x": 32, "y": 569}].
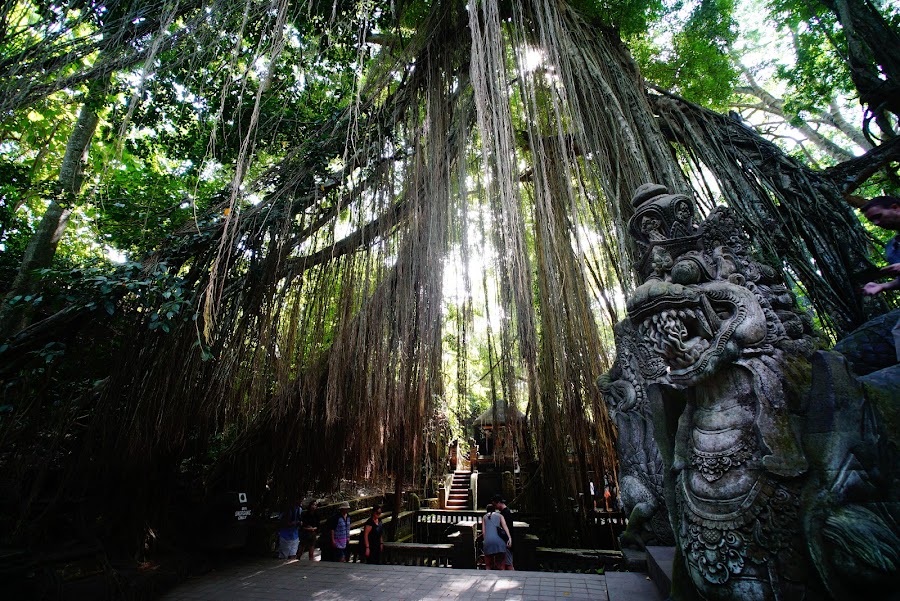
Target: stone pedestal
[
  {"x": 464, "y": 545},
  {"x": 659, "y": 568}
]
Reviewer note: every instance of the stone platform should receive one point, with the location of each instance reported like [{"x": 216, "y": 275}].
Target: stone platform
[{"x": 278, "y": 580}]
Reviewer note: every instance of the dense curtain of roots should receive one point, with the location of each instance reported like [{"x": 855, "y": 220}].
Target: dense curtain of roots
[
  {"x": 796, "y": 220},
  {"x": 322, "y": 306}
]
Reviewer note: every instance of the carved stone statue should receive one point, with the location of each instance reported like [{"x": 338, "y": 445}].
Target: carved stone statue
[
  {"x": 640, "y": 464},
  {"x": 776, "y": 488}
]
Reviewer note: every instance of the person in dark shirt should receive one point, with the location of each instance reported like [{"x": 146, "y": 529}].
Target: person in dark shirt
[
  {"x": 504, "y": 510},
  {"x": 884, "y": 212},
  {"x": 309, "y": 528},
  {"x": 371, "y": 537}
]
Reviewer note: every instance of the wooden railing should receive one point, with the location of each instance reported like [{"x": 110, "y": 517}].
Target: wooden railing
[
  {"x": 611, "y": 518},
  {"x": 435, "y": 547},
  {"x": 433, "y": 526},
  {"x": 607, "y": 527},
  {"x": 411, "y": 554},
  {"x": 416, "y": 554}
]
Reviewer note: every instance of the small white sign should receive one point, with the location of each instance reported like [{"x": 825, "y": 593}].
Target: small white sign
[{"x": 242, "y": 497}]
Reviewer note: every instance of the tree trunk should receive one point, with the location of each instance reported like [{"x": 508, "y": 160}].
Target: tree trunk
[
  {"x": 866, "y": 29},
  {"x": 42, "y": 246},
  {"x": 397, "y": 505}
]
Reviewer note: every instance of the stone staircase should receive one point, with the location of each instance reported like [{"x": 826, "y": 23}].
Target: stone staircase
[{"x": 459, "y": 491}]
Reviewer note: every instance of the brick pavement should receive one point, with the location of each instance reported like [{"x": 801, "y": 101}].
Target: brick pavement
[{"x": 275, "y": 580}]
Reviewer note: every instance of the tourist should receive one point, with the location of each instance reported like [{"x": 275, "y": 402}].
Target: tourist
[
  {"x": 503, "y": 508},
  {"x": 309, "y": 528},
  {"x": 339, "y": 530},
  {"x": 496, "y": 539},
  {"x": 371, "y": 537},
  {"x": 884, "y": 211},
  {"x": 288, "y": 536}
]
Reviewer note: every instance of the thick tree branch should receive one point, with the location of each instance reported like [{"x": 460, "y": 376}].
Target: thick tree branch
[
  {"x": 776, "y": 106},
  {"x": 369, "y": 233},
  {"x": 850, "y": 175}
]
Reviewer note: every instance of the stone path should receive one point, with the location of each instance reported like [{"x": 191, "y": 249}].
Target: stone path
[{"x": 274, "y": 580}]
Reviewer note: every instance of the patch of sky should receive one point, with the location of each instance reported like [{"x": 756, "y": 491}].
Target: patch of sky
[
  {"x": 261, "y": 67},
  {"x": 141, "y": 132},
  {"x": 211, "y": 171},
  {"x": 532, "y": 59},
  {"x": 115, "y": 255}
]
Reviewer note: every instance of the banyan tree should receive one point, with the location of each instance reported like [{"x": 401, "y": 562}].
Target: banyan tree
[{"x": 291, "y": 329}]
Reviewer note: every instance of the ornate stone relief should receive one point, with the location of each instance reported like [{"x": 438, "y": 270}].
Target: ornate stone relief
[
  {"x": 715, "y": 332},
  {"x": 641, "y": 477}
]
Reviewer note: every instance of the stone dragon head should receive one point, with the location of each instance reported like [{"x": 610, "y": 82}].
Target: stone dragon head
[{"x": 704, "y": 302}]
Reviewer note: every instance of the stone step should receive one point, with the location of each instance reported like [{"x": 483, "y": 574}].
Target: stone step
[
  {"x": 659, "y": 568},
  {"x": 629, "y": 586}
]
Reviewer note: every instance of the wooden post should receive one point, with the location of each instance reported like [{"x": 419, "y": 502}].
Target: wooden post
[{"x": 397, "y": 506}]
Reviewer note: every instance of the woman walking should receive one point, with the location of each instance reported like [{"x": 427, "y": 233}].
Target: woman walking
[
  {"x": 492, "y": 525},
  {"x": 339, "y": 527},
  {"x": 371, "y": 538}
]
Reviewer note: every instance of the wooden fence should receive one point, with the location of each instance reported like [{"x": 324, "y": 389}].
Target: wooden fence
[
  {"x": 412, "y": 554},
  {"x": 432, "y": 526}
]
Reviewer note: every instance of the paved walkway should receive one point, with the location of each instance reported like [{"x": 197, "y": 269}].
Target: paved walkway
[{"x": 274, "y": 580}]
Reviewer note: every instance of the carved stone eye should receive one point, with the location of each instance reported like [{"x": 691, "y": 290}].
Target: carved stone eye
[{"x": 686, "y": 272}]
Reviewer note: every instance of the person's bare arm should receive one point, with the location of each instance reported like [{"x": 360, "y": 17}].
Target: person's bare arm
[
  {"x": 873, "y": 288},
  {"x": 893, "y": 269},
  {"x": 506, "y": 529}
]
